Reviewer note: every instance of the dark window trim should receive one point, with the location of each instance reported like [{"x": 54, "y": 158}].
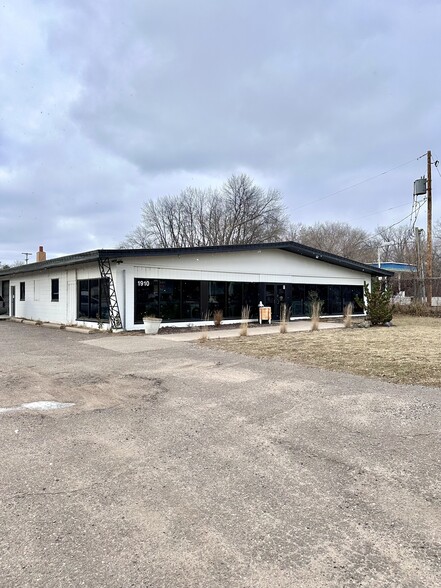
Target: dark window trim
[{"x": 22, "y": 291}]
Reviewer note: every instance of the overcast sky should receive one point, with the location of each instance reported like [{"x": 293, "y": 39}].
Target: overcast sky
[{"x": 105, "y": 104}]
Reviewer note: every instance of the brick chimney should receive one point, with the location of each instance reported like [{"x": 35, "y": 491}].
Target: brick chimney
[{"x": 41, "y": 255}]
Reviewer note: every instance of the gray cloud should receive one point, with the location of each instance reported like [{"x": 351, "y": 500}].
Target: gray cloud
[{"x": 106, "y": 106}]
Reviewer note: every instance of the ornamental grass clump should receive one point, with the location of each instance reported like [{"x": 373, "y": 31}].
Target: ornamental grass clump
[
  {"x": 315, "y": 315},
  {"x": 218, "y": 317},
  {"x": 204, "y": 328},
  {"x": 347, "y": 315},
  {"x": 284, "y": 318},
  {"x": 243, "y": 332}
]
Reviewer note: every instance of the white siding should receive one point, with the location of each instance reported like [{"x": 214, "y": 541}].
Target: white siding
[
  {"x": 248, "y": 266},
  {"x": 38, "y": 288},
  {"x": 37, "y": 304}
]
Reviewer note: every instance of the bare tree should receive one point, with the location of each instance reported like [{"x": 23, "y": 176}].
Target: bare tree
[
  {"x": 16, "y": 263},
  {"x": 237, "y": 213},
  {"x": 137, "y": 239},
  {"x": 336, "y": 237},
  {"x": 401, "y": 243},
  {"x": 437, "y": 255}
]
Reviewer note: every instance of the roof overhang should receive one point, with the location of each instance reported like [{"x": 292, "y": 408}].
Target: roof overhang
[{"x": 115, "y": 254}]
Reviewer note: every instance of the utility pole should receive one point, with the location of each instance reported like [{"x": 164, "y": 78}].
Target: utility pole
[
  {"x": 429, "y": 229},
  {"x": 420, "y": 291},
  {"x": 27, "y": 255}
]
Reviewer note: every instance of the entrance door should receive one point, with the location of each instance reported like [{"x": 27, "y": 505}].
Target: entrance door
[
  {"x": 12, "y": 300},
  {"x": 275, "y": 297}
]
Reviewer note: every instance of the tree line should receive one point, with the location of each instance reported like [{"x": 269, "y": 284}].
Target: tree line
[{"x": 241, "y": 212}]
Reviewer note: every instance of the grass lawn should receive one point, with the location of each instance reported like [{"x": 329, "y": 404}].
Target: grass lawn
[{"x": 408, "y": 353}]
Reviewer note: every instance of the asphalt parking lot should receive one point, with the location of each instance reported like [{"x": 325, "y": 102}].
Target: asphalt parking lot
[{"x": 175, "y": 465}]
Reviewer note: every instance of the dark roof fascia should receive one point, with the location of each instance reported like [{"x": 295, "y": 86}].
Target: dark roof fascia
[
  {"x": 336, "y": 260},
  {"x": 291, "y": 246},
  {"x": 57, "y": 262}
]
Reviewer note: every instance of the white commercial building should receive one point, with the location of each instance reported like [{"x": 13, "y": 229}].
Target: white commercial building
[{"x": 116, "y": 288}]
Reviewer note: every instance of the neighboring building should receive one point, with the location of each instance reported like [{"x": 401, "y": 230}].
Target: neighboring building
[
  {"x": 183, "y": 286},
  {"x": 405, "y": 278},
  {"x": 396, "y": 267}
]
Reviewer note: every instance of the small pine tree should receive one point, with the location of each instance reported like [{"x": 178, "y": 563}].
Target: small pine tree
[{"x": 377, "y": 303}]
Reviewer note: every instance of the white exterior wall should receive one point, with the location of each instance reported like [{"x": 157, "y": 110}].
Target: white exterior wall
[
  {"x": 38, "y": 305},
  {"x": 276, "y": 266},
  {"x": 273, "y": 266},
  {"x": 244, "y": 266}
]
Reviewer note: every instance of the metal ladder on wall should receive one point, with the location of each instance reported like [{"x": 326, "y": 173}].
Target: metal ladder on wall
[{"x": 109, "y": 287}]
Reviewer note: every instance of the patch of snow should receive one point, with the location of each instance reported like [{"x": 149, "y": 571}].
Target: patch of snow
[{"x": 40, "y": 405}]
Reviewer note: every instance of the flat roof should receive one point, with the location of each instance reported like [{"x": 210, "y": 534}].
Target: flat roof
[{"x": 290, "y": 246}]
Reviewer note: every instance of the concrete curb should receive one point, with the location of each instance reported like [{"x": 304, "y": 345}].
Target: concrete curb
[{"x": 55, "y": 326}]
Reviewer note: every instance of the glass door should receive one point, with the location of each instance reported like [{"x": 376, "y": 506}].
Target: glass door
[{"x": 274, "y": 297}]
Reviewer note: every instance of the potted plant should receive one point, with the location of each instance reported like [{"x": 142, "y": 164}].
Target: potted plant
[{"x": 151, "y": 324}]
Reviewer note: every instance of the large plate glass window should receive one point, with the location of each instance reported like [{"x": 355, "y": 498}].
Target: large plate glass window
[
  {"x": 170, "y": 300},
  {"x": 92, "y": 300},
  {"x": 191, "y": 299},
  {"x": 250, "y": 298},
  {"x": 234, "y": 299},
  {"x": 216, "y": 297},
  {"x": 350, "y": 293},
  {"x": 146, "y": 298},
  {"x": 334, "y": 300},
  {"x": 298, "y": 300}
]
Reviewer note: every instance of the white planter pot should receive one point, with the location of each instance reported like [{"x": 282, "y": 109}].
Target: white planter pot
[{"x": 151, "y": 325}]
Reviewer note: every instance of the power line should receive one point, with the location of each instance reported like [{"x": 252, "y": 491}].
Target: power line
[
  {"x": 398, "y": 222},
  {"x": 358, "y": 183},
  {"x": 384, "y": 210}
]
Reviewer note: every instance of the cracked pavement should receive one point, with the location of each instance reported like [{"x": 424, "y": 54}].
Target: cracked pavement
[{"x": 183, "y": 466}]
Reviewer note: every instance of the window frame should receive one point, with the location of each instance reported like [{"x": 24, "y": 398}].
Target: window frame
[
  {"x": 55, "y": 295},
  {"x": 22, "y": 291},
  {"x": 99, "y": 299}
]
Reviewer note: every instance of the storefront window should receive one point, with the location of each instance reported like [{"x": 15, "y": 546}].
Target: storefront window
[
  {"x": 169, "y": 299},
  {"x": 334, "y": 300},
  {"x": 216, "y": 297},
  {"x": 234, "y": 299},
  {"x": 298, "y": 299},
  {"x": 350, "y": 293},
  {"x": 146, "y": 299},
  {"x": 250, "y": 298},
  {"x": 191, "y": 300},
  {"x": 92, "y": 299}
]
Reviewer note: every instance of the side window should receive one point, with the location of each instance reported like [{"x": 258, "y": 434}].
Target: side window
[
  {"x": 22, "y": 291},
  {"x": 55, "y": 290}
]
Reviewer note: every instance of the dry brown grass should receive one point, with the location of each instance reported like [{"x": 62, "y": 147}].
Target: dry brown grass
[{"x": 408, "y": 353}]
